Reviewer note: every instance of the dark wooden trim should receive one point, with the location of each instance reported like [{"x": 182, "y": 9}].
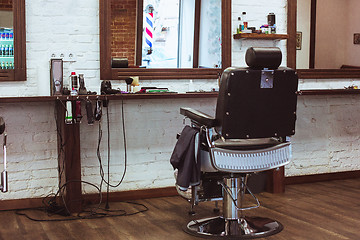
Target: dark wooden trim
[
  {"x": 94, "y": 198},
  {"x": 196, "y": 34},
  {"x": 329, "y": 92},
  {"x": 19, "y": 71},
  {"x": 322, "y": 177},
  {"x": 107, "y": 73},
  {"x": 105, "y": 39},
  {"x": 226, "y": 33},
  {"x": 110, "y": 97},
  {"x": 275, "y": 181},
  {"x": 132, "y": 195},
  {"x": 312, "y": 34},
  {"x": 7, "y": 75},
  {"x": 69, "y": 161},
  {"x": 26, "y": 99},
  {"x": 139, "y": 32},
  {"x": 20, "y": 41},
  {"x": 260, "y": 36},
  {"x": 13, "y": 204},
  {"x": 291, "y": 31},
  {"x": 328, "y": 73}
]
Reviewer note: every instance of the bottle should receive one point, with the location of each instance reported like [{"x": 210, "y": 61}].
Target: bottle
[
  {"x": 6, "y": 50},
  {"x": 74, "y": 84},
  {"x": 3, "y": 50},
  {"x": 271, "y": 19},
  {"x": 244, "y": 20},
  {"x": 271, "y": 22},
  {"x": 11, "y": 50},
  {"x": 240, "y": 27}
]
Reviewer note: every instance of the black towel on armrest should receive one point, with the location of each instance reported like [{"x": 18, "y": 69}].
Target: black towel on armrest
[{"x": 183, "y": 158}]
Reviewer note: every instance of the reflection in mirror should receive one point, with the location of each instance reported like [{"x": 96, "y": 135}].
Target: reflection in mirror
[
  {"x": 171, "y": 34},
  {"x": 210, "y": 34},
  {"x": 334, "y": 25},
  {"x": 6, "y": 35}
]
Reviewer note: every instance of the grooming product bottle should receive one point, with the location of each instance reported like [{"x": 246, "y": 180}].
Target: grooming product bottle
[
  {"x": 74, "y": 84},
  {"x": 244, "y": 20}
]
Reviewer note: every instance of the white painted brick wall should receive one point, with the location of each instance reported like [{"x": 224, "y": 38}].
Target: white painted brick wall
[
  {"x": 31, "y": 149},
  {"x": 327, "y": 135},
  {"x": 327, "y": 129}
]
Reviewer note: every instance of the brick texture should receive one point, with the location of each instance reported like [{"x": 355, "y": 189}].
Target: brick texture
[{"x": 123, "y": 29}]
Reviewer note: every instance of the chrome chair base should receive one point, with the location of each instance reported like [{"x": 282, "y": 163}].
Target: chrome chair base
[{"x": 243, "y": 228}]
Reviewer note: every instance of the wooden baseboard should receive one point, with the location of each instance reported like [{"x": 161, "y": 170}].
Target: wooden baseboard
[
  {"x": 167, "y": 191},
  {"x": 131, "y": 195},
  {"x": 322, "y": 177},
  {"x": 93, "y": 198}
]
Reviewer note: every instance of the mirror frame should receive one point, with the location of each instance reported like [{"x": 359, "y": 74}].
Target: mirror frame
[
  {"x": 19, "y": 72},
  {"x": 310, "y": 73},
  {"x": 109, "y": 73}
]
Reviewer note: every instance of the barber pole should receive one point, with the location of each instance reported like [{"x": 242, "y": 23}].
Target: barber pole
[{"x": 149, "y": 28}]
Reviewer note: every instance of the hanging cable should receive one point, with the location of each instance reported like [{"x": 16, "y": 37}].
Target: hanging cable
[
  {"x": 108, "y": 166},
  {"x": 102, "y": 174}
]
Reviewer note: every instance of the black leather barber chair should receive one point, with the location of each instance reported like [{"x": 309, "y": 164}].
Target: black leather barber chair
[{"x": 255, "y": 115}]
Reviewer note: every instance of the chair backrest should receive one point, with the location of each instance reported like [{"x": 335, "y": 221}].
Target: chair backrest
[{"x": 258, "y": 101}]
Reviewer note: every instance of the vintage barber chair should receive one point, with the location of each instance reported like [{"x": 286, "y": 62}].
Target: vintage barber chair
[{"x": 255, "y": 115}]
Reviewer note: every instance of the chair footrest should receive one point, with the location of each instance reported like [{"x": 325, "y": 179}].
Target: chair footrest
[{"x": 246, "y": 161}]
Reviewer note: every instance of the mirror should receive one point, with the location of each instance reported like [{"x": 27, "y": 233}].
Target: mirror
[
  {"x": 6, "y": 36},
  {"x": 12, "y": 41},
  {"x": 326, "y": 35},
  {"x": 170, "y": 30},
  {"x": 189, "y": 38}
]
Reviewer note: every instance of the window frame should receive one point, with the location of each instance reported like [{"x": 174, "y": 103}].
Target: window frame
[
  {"x": 19, "y": 28},
  {"x": 109, "y": 73}
]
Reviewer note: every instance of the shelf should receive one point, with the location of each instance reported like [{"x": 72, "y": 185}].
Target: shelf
[
  {"x": 261, "y": 36},
  {"x": 126, "y": 96},
  {"x": 329, "y": 92}
]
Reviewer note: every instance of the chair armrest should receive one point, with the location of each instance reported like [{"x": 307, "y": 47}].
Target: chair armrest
[{"x": 198, "y": 117}]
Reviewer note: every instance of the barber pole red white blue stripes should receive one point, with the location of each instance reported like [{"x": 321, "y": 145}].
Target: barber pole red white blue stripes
[{"x": 149, "y": 29}]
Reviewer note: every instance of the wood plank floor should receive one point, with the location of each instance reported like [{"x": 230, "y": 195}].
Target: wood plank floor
[{"x": 324, "y": 210}]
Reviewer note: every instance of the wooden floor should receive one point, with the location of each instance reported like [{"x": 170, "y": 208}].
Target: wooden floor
[{"x": 324, "y": 210}]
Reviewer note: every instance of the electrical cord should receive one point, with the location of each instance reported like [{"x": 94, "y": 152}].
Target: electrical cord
[
  {"x": 50, "y": 205},
  {"x": 108, "y": 155},
  {"x": 86, "y": 214},
  {"x": 102, "y": 174}
]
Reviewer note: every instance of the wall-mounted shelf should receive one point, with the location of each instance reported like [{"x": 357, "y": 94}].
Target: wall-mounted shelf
[
  {"x": 125, "y": 96},
  {"x": 261, "y": 36}
]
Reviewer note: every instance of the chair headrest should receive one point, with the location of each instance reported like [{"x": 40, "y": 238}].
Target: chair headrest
[{"x": 263, "y": 57}]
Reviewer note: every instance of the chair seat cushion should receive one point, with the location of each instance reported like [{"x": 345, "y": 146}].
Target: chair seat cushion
[{"x": 246, "y": 144}]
